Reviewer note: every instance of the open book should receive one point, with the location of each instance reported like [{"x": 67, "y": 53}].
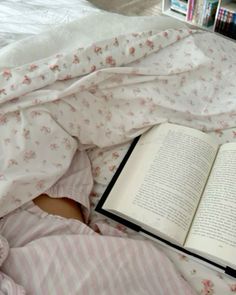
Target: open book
[{"x": 178, "y": 184}]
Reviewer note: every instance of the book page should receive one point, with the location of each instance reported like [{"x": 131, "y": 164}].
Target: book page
[
  {"x": 161, "y": 184},
  {"x": 214, "y": 227}
]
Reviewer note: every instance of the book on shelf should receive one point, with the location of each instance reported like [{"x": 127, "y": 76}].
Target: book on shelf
[
  {"x": 202, "y": 12},
  {"x": 190, "y": 10},
  {"x": 226, "y": 20},
  {"x": 179, "y": 6},
  {"x": 197, "y": 11},
  {"x": 209, "y": 13},
  {"x": 177, "y": 185}
]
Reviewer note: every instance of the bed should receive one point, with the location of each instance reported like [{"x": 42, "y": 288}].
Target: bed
[{"x": 105, "y": 152}]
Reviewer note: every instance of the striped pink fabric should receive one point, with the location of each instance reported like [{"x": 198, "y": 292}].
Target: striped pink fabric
[
  {"x": 54, "y": 255},
  {"x": 47, "y": 254}
]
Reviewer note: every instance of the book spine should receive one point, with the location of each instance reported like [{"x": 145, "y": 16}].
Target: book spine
[
  {"x": 210, "y": 13},
  {"x": 206, "y": 14},
  {"x": 224, "y": 20},
  {"x": 190, "y": 10},
  {"x": 201, "y": 11},
  {"x": 228, "y": 23},
  {"x": 218, "y": 21},
  {"x": 234, "y": 26}
]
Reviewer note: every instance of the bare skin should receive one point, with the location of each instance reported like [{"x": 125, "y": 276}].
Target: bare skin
[{"x": 59, "y": 206}]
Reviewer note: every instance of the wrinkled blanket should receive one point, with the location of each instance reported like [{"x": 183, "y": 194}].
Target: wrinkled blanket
[{"x": 104, "y": 94}]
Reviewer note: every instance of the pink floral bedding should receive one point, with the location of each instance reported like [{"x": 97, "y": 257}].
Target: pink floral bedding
[{"x": 100, "y": 96}]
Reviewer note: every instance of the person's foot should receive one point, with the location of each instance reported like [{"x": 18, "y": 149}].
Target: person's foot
[{"x": 59, "y": 206}]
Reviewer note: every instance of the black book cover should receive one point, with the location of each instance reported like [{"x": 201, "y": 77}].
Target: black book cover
[{"x": 99, "y": 208}]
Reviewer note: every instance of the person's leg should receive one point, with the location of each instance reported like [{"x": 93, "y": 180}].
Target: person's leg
[{"x": 59, "y": 206}]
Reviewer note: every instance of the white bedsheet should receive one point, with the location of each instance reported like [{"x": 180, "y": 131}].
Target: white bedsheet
[{"x": 19, "y": 19}]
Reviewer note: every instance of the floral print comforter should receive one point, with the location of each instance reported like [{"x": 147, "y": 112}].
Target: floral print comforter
[{"x": 100, "y": 96}]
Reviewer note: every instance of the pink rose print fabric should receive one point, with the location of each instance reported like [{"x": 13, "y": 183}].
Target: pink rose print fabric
[
  {"x": 67, "y": 120},
  {"x": 103, "y": 95}
]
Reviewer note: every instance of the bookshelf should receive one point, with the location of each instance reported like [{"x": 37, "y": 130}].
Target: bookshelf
[{"x": 218, "y": 16}]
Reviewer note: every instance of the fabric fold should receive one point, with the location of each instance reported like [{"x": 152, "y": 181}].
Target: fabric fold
[
  {"x": 4, "y": 249},
  {"x": 7, "y": 285}
]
